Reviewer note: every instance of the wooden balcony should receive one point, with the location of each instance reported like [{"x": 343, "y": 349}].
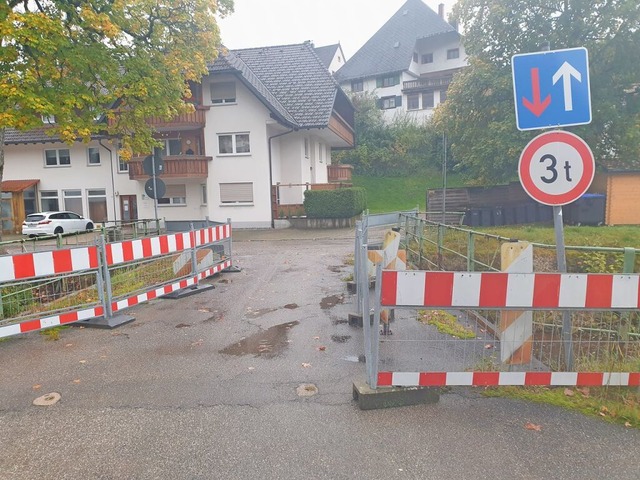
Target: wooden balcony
[
  {"x": 339, "y": 173},
  {"x": 175, "y": 166},
  {"x": 421, "y": 84},
  {"x": 184, "y": 121}
]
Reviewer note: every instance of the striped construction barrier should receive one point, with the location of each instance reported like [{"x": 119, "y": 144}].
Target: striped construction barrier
[
  {"x": 41, "y": 264},
  {"x": 132, "y": 250},
  {"x": 29, "y": 266},
  {"x": 167, "y": 289},
  {"x": 488, "y": 379},
  {"x": 50, "y": 321},
  {"x": 498, "y": 290}
]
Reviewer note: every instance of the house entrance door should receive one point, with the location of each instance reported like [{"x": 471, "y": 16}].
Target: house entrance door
[{"x": 128, "y": 208}]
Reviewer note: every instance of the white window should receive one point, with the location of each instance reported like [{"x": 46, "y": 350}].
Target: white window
[
  {"x": 174, "y": 195},
  {"x": 427, "y": 100},
  {"x": 427, "y": 58},
  {"x": 413, "y": 101},
  {"x": 57, "y": 158},
  {"x": 203, "y": 194},
  {"x": 93, "y": 156},
  {"x": 357, "y": 86},
  {"x": 171, "y": 146},
  {"x": 49, "y": 201},
  {"x": 73, "y": 201},
  {"x": 453, "y": 53},
  {"x": 237, "y": 193},
  {"x": 389, "y": 102},
  {"x": 223, "y": 92},
  {"x": 233, "y": 144},
  {"x": 123, "y": 167}
]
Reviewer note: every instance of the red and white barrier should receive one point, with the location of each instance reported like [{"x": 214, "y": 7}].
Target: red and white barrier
[
  {"x": 131, "y": 250},
  {"x": 487, "y": 379},
  {"x": 497, "y": 290},
  {"x": 41, "y": 264},
  {"x": 52, "y": 321},
  {"x": 167, "y": 289}
]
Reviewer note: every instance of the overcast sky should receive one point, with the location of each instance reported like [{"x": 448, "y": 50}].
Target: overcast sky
[{"x": 258, "y": 23}]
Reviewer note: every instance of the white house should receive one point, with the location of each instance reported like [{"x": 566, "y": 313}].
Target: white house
[
  {"x": 265, "y": 122},
  {"x": 332, "y": 56},
  {"x": 408, "y": 63}
]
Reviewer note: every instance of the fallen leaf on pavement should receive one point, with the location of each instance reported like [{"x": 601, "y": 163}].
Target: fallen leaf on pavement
[
  {"x": 306, "y": 365},
  {"x": 69, "y": 345},
  {"x": 37, "y": 387},
  {"x": 76, "y": 381},
  {"x": 488, "y": 346},
  {"x": 627, "y": 424},
  {"x": 322, "y": 348},
  {"x": 83, "y": 361},
  {"x": 197, "y": 343},
  {"x": 316, "y": 338},
  {"x": 532, "y": 426},
  {"x": 568, "y": 392}
]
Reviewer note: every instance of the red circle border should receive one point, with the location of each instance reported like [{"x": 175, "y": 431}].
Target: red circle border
[{"x": 538, "y": 142}]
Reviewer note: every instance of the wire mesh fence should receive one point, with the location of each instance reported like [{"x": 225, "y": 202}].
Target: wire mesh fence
[{"x": 579, "y": 342}]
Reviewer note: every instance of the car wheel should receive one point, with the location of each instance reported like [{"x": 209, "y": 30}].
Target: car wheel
[
  {"x": 58, "y": 230},
  {"x": 89, "y": 227}
]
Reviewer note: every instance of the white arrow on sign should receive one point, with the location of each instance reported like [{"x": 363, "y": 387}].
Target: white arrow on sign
[{"x": 565, "y": 72}]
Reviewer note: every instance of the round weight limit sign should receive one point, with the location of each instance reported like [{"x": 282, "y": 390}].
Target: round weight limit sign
[{"x": 556, "y": 168}]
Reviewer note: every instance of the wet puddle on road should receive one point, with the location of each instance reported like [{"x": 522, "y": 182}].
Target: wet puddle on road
[
  {"x": 267, "y": 343},
  {"x": 259, "y": 313},
  {"x": 340, "y": 338},
  {"x": 331, "y": 301}
]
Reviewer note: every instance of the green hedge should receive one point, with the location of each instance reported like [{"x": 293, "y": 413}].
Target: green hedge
[{"x": 341, "y": 203}]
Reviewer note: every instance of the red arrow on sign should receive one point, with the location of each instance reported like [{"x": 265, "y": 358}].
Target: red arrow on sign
[{"x": 537, "y": 107}]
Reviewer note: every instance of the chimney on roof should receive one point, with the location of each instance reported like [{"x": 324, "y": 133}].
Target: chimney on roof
[{"x": 441, "y": 10}]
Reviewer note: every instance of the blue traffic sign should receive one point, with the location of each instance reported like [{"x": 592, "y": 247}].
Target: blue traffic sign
[{"x": 551, "y": 88}]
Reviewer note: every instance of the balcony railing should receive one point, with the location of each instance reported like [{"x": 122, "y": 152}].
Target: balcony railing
[
  {"x": 426, "y": 83},
  {"x": 339, "y": 173},
  {"x": 195, "y": 119},
  {"x": 175, "y": 166}
]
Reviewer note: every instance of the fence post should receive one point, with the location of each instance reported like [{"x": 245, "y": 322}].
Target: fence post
[
  {"x": 108, "y": 320},
  {"x": 471, "y": 252},
  {"x": 366, "y": 317},
  {"x": 356, "y": 267},
  {"x": 194, "y": 259},
  {"x": 375, "y": 332}
]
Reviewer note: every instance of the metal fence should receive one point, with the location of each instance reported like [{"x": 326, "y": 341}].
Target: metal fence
[
  {"x": 56, "y": 287},
  {"x": 423, "y": 344}
]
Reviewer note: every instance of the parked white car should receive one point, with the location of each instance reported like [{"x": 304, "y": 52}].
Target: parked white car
[{"x": 52, "y": 223}]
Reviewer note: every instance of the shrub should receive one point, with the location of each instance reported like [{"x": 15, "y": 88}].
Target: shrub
[{"x": 342, "y": 203}]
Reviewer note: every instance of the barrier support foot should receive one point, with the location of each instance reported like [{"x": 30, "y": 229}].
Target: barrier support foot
[
  {"x": 233, "y": 269},
  {"x": 388, "y": 397},
  {"x": 355, "y": 319},
  {"x": 185, "y": 292},
  {"x": 106, "y": 322}
]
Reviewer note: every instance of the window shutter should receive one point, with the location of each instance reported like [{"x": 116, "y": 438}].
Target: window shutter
[
  {"x": 176, "y": 191},
  {"x": 380, "y": 103},
  {"x": 236, "y": 192},
  {"x": 399, "y": 101},
  {"x": 379, "y": 82}
]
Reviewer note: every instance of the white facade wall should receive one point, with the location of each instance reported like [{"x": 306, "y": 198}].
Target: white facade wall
[
  {"x": 246, "y": 115},
  {"x": 28, "y": 162},
  {"x": 438, "y": 47}
]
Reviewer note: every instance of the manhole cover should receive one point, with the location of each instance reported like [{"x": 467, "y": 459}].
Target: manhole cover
[
  {"x": 307, "y": 390},
  {"x": 47, "y": 400}
]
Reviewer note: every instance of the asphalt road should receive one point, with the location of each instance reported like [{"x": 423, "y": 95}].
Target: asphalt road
[{"x": 206, "y": 388}]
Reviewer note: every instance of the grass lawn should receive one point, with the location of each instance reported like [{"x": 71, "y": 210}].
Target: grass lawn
[{"x": 392, "y": 194}]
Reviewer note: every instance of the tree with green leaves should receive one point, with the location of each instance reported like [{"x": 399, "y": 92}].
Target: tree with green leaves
[
  {"x": 479, "y": 114},
  {"x": 402, "y": 147},
  {"x": 119, "y": 61}
]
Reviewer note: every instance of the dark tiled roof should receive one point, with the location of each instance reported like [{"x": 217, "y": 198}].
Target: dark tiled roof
[
  {"x": 291, "y": 80},
  {"x": 391, "y": 48},
  {"x": 38, "y": 135},
  {"x": 327, "y": 53}
]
